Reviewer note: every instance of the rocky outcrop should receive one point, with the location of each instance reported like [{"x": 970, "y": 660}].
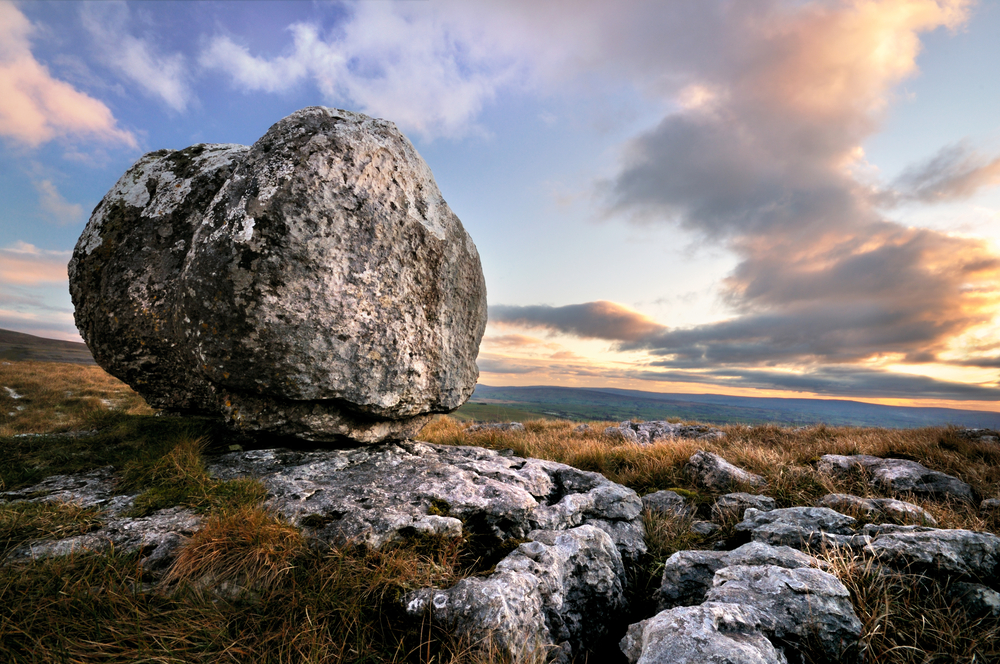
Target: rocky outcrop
[
  {"x": 376, "y": 494},
  {"x": 713, "y": 632},
  {"x": 555, "y": 593},
  {"x": 899, "y": 476},
  {"x": 961, "y": 553},
  {"x": 645, "y": 433},
  {"x": 715, "y": 473},
  {"x": 878, "y": 507},
  {"x": 315, "y": 284},
  {"x": 502, "y": 427}
]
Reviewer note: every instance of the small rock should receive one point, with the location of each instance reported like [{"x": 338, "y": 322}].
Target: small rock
[
  {"x": 496, "y": 426},
  {"x": 733, "y": 505},
  {"x": 977, "y": 600},
  {"x": 668, "y": 502},
  {"x": 717, "y": 474},
  {"x": 800, "y": 527},
  {"x": 582, "y": 429},
  {"x": 705, "y": 528},
  {"x": 806, "y": 609},
  {"x": 651, "y": 432},
  {"x": 990, "y": 505},
  {"x": 958, "y": 552},
  {"x": 687, "y": 575},
  {"x": 713, "y": 632},
  {"x": 897, "y": 475},
  {"x": 872, "y": 507}
]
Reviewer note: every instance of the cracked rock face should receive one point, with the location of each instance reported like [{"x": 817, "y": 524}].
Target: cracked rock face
[
  {"x": 314, "y": 284},
  {"x": 376, "y": 494},
  {"x": 556, "y": 593},
  {"x": 898, "y": 475}
]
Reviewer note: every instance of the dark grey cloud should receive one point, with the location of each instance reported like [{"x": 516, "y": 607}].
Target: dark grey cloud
[
  {"x": 841, "y": 381},
  {"x": 590, "y": 320},
  {"x": 957, "y": 171}
]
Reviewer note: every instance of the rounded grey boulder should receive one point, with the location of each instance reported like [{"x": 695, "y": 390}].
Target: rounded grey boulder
[{"x": 315, "y": 284}]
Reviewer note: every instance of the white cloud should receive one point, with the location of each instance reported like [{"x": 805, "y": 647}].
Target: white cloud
[
  {"x": 34, "y": 106},
  {"x": 139, "y": 60},
  {"x": 57, "y": 208}
]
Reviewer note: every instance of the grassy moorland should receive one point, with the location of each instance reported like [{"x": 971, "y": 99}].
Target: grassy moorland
[{"x": 341, "y": 604}]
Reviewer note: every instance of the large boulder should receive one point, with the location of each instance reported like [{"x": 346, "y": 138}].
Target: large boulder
[
  {"x": 315, "y": 284},
  {"x": 897, "y": 475}
]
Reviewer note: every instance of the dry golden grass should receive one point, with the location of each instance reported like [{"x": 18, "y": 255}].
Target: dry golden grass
[{"x": 59, "y": 397}]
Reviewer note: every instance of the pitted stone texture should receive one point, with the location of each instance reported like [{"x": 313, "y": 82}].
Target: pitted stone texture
[
  {"x": 717, "y": 474},
  {"x": 977, "y": 600},
  {"x": 807, "y": 609},
  {"x": 651, "y": 432},
  {"x": 378, "y": 493},
  {"x": 94, "y": 488},
  {"x": 315, "y": 284},
  {"x": 156, "y": 538},
  {"x": 687, "y": 575},
  {"x": 875, "y": 507},
  {"x": 897, "y": 475},
  {"x": 957, "y": 552},
  {"x": 557, "y": 591},
  {"x": 735, "y": 504},
  {"x": 668, "y": 502},
  {"x": 800, "y": 527},
  {"x": 713, "y": 632}
]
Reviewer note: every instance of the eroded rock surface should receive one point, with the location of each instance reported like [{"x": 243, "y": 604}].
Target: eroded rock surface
[
  {"x": 650, "y": 432},
  {"x": 315, "y": 284},
  {"x": 668, "y": 502},
  {"x": 962, "y": 553},
  {"x": 875, "y": 507},
  {"x": 897, "y": 475},
  {"x": 799, "y": 527},
  {"x": 560, "y": 591},
  {"x": 713, "y": 632},
  {"x": 375, "y": 494},
  {"x": 734, "y": 505}
]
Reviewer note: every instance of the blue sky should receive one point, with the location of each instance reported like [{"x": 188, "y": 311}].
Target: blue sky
[{"x": 754, "y": 197}]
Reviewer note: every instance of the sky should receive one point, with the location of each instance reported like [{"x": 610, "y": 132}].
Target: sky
[{"x": 751, "y": 197}]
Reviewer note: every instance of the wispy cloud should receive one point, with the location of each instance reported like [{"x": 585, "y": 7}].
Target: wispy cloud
[
  {"x": 35, "y": 107},
  {"x": 428, "y": 70},
  {"x": 27, "y": 265},
  {"x": 590, "y": 320},
  {"x": 138, "y": 59},
  {"x": 956, "y": 172},
  {"x": 57, "y": 208}
]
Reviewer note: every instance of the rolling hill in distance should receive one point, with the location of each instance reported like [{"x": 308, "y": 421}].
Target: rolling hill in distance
[
  {"x": 575, "y": 403},
  {"x": 490, "y": 403}
]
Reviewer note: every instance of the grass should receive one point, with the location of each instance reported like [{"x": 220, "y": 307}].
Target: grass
[{"x": 249, "y": 588}]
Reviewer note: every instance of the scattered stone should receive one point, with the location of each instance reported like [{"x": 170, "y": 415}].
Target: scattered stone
[
  {"x": 805, "y": 609},
  {"x": 376, "y": 494},
  {"x": 556, "y": 592},
  {"x": 94, "y": 488},
  {"x": 12, "y": 394},
  {"x": 800, "y": 527},
  {"x": 668, "y": 502},
  {"x": 733, "y": 505},
  {"x": 717, "y": 474},
  {"x": 958, "y": 552},
  {"x": 977, "y": 600},
  {"x": 897, "y": 475},
  {"x": 713, "y": 632},
  {"x": 496, "y": 426},
  {"x": 650, "y": 432},
  {"x": 687, "y": 575},
  {"x": 315, "y": 284},
  {"x": 705, "y": 528},
  {"x": 874, "y": 507},
  {"x": 582, "y": 429},
  {"x": 980, "y": 435},
  {"x": 990, "y": 505}
]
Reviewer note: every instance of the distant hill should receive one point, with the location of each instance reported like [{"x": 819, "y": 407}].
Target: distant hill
[
  {"x": 20, "y": 346},
  {"x": 616, "y": 404}
]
